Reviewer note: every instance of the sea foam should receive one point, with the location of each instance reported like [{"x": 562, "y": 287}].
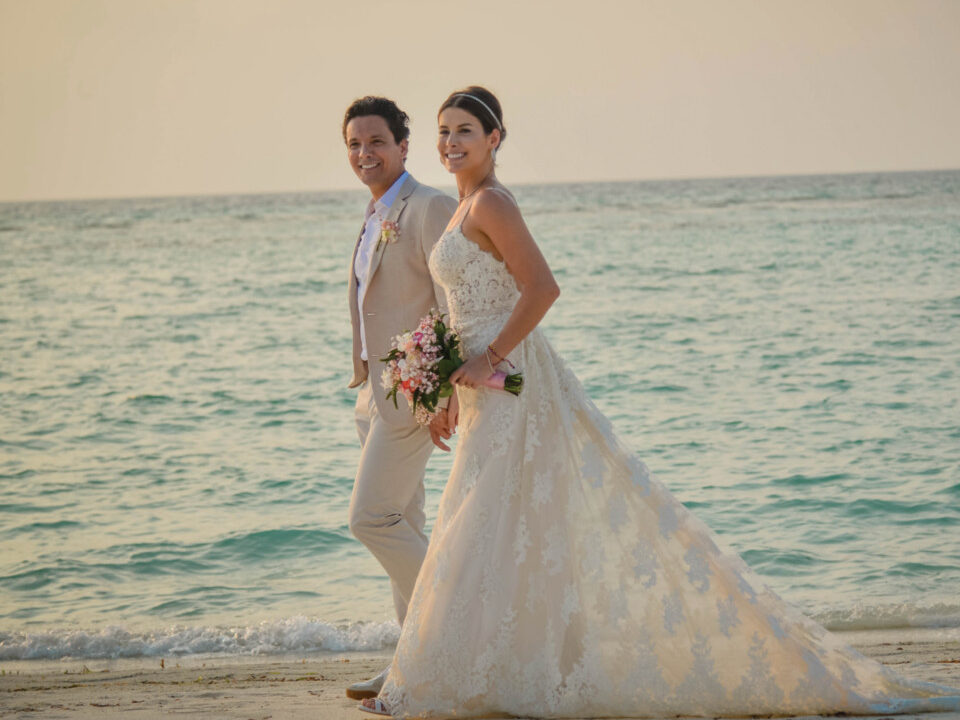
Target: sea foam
[
  {"x": 296, "y": 634},
  {"x": 309, "y": 635},
  {"x": 888, "y": 616}
]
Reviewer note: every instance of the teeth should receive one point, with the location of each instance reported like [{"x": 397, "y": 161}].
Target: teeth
[
  {"x": 454, "y": 156},
  {"x": 367, "y": 167}
]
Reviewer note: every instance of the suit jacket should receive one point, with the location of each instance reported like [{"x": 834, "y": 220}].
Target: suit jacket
[{"x": 399, "y": 289}]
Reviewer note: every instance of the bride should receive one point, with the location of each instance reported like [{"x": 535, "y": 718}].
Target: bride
[{"x": 562, "y": 579}]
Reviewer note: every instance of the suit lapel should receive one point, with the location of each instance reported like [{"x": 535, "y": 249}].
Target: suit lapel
[
  {"x": 352, "y": 281},
  {"x": 409, "y": 185}
]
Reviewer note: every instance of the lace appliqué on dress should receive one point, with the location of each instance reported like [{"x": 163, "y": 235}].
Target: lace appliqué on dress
[{"x": 564, "y": 580}]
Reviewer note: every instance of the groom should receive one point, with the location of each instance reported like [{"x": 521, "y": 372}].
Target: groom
[{"x": 390, "y": 289}]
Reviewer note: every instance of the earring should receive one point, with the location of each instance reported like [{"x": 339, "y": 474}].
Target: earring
[{"x": 493, "y": 154}]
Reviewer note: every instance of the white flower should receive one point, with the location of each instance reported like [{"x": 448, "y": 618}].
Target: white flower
[{"x": 386, "y": 379}]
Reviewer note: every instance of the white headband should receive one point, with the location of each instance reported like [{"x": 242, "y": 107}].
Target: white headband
[{"x": 492, "y": 114}]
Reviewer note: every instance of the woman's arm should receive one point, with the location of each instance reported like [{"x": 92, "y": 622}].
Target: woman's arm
[{"x": 495, "y": 220}]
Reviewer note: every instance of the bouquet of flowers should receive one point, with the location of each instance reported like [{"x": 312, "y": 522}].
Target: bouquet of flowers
[{"x": 421, "y": 363}]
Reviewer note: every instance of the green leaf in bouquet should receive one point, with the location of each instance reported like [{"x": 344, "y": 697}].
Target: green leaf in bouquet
[
  {"x": 513, "y": 383},
  {"x": 445, "y": 367}
]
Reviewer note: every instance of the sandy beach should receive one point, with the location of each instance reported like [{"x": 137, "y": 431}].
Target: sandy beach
[{"x": 311, "y": 687}]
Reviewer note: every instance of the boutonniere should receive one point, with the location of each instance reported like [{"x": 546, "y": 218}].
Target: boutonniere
[{"x": 389, "y": 232}]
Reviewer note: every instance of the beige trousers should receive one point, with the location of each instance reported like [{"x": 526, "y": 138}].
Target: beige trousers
[{"x": 386, "y": 508}]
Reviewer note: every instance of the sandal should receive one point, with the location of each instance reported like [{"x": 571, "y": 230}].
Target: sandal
[{"x": 379, "y": 708}]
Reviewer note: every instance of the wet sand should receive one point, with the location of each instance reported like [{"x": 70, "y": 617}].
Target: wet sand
[{"x": 311, "y": 687}]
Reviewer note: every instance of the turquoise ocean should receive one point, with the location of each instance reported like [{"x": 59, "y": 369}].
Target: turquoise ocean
[{"x": 177, "y": 445}]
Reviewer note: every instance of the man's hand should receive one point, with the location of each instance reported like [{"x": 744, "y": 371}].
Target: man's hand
[
  {"x": 444, "y": 423},
  {"x": 438, "y": 429}
]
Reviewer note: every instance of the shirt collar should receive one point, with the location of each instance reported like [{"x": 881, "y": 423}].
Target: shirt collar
[{"x": 382, "y": 206}]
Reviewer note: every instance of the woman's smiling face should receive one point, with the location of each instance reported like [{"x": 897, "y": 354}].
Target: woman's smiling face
[{"x": 461, "y": 142}]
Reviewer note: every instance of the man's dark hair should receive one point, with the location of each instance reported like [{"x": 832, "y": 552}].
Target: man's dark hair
[{"x": 397, "y": 119}]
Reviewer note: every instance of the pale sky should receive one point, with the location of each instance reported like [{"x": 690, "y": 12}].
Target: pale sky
[{"x": 102, "y": 98}]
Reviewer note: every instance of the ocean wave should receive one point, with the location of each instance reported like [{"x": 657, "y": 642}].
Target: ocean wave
[
  {"x": 290, "y": 635},
  {"x": 105, "y": 225},
  {"x": 889, "y": 616},
  {"x": 306, "y": 635}
]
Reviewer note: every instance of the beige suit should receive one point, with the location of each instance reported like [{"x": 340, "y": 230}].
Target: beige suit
[{"x": 386, "y": 509}]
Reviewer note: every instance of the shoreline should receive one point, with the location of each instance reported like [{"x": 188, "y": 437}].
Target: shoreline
[{"x": 280, "y": 687}]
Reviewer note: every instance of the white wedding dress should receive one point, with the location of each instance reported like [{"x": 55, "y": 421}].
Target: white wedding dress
[{"x": 563, "y": 580}]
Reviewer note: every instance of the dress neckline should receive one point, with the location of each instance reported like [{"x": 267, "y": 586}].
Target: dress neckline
[
  {"x": 459, "y": 228},
  {"x": 459, "y": 231}
]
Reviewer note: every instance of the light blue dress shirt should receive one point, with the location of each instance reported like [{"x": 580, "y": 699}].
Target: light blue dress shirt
[{"x": 377, "y": 211}]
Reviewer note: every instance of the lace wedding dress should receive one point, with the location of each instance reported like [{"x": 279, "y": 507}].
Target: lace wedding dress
[{"x": 563, "y": 580}]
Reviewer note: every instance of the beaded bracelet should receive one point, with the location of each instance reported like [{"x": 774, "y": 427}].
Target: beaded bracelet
[
  {"x": 486, "y": 354},
  {"x": 498, "y": 356}
]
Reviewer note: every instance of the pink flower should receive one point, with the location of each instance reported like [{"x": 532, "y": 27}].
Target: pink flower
[{"x": 389, "y": 233}]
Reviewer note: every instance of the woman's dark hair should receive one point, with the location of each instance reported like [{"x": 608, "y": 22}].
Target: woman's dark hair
[
  {"x": 482, "y": 104},
  {"x": 397, "y": 120}
]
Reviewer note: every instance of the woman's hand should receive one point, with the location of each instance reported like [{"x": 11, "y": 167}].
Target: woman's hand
[{"x": 473, "y": 373}]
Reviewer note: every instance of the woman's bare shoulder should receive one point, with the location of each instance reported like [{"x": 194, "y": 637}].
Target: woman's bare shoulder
[{"x": 494, "y": 202}]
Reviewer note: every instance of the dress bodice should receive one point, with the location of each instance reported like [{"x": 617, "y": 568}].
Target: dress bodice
[{"x": 481, "y": 292}]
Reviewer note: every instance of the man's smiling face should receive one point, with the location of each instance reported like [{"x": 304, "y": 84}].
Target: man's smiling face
[{"x": 374, "y": 155}]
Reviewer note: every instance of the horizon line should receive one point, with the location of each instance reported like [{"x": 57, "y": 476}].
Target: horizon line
[{"x": 679, "y": 178}]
